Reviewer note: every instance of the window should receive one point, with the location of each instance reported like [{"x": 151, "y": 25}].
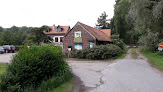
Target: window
[
  {"x": 91, "y": 44},
  {"x": 61, "y": 39},
  {"x": 78, "y": 46},
  {"x": 56, "y": 39},
  {"x": 59, "y": 29},
  {"x": 78, "y": 34}
]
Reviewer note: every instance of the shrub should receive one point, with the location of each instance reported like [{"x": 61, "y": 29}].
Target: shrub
[
  {"x": 75, "y": 53},
  {"x": 19, "y": 47},
  {"x": 149, "y": 41},
  {"x": 117, "y": 41},
  {"x": 98, "y": 52},
  {"x": 32, "y": 66}
]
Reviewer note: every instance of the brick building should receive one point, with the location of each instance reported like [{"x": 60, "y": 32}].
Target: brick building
[{"x": 82, "y": 36}]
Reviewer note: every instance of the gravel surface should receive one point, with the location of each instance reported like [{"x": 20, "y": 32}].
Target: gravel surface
[
  {"x": 123, "y": 75},
  {"x": 6, "y": 57}
]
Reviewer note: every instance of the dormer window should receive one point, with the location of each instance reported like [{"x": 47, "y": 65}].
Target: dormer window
[{"x": 59, "y": 29}]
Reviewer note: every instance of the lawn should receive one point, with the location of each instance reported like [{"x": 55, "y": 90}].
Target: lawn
[{"x": 155, "y": 59}]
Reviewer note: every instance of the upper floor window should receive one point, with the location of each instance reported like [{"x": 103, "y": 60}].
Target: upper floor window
[{"x": 77, "y": 34}]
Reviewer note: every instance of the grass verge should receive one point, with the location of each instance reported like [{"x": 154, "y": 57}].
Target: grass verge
[
  {"x": 134, "y": 54},
  {"x": 66, "y": 87},
  {"x": 155, "y": 59},
  {"x": 3, "y": 67}
]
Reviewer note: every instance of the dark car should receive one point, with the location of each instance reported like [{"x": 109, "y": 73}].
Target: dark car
[
  {"x": 9, "y": 48},
  {"x": 1, "y": 50}
]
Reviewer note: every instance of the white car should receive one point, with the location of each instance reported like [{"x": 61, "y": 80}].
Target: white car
[{"x": 1, "y": 50}]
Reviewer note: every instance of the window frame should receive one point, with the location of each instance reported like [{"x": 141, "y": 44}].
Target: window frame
[
  {"x": 77, "y": 45},
  {"x": 77, "y": 36},
  {"x": 57, "y": 39}
]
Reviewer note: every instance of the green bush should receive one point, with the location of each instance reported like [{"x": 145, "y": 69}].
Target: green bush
[
  {"x": 118, "y": 41},
  {"x": 98, "y": 52},
  {"x": 32, "y": 67},
  {"x": 19, "y": 47},
  {"x": 75, "y": 53}
]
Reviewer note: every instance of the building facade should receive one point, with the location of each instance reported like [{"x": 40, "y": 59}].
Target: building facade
[
  {"x": 83, "y": 36},
  {"x": 57, "y": 33}
]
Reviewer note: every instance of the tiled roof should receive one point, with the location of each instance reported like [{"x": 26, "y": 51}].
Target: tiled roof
[
  {"x": 54, "y": 31},
  {"x": 99, "y": 35},
  {"x": 106, "y": 31}
]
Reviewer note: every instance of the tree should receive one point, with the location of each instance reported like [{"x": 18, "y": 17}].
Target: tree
[
  {"x": 146, "y": 18},
  {"x": 102, "y": 22},
  {"x": 1, "y": 29},
  {"x": 14, "y": 29},
  {"x": 112, "y": 26},
  {"x": 7, "y": 37},
  {"x": 37, "y": 35},
  {"x": 121, "y": 26}
]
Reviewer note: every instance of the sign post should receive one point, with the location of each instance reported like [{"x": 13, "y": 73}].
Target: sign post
[{"x": 160, "y": 47}]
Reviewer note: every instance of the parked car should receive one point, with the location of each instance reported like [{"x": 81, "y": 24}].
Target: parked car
[
  {"x": 9, "y": 48},
  {"x": 1, "y": 50}
]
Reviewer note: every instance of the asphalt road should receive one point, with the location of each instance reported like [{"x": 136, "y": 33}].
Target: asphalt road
[
  {"x": 6, "y": 57},
  {"x": 123, "y": 75}
]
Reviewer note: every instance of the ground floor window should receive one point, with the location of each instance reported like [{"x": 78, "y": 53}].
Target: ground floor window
[
  {"x": 56, "y": 39},
  {"x": 61, "y": 39},
  {"x": 78, "y": 46},
  {"x": 91, "y": 44}
]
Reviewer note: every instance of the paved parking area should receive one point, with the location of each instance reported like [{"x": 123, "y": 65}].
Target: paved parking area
[{"x": 6, "y": 57}]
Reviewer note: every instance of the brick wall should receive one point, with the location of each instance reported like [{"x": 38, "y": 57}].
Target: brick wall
[{"x": 69, "y": 38}]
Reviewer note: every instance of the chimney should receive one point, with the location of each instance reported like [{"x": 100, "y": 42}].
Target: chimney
[{"x": 53, "y": 26}]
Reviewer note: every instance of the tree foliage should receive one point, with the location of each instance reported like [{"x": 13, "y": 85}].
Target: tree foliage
[
  {"x": 37, "y": 35},
  {"x": 14, "y": 35},
  {"x": 138, "y": 20},
  {"x": 146, "y": 16},
  {"x": 120, "y": 12},
  {"x": 102, "y": 22},
  {"x": 23, "y": 35}
]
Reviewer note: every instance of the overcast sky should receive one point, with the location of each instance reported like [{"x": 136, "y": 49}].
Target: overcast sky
[{"x": 36, "y": 13}]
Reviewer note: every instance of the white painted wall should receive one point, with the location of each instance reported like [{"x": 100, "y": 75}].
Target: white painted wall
[{"x": 59, "y": 39}]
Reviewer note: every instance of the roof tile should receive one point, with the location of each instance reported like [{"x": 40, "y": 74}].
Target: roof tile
[
  {"x": 54, "y": 31},
  {"x": 99, "y": 35}
]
